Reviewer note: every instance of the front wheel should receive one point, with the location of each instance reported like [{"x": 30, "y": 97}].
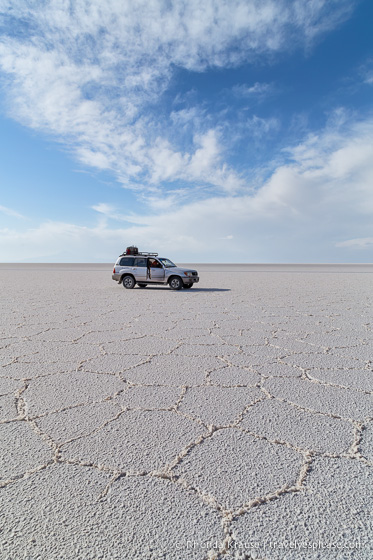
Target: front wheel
[
  {"x": 129, "y": 282},
  {"x": 187, "y": 286},
  {"x": 176, "y": 283}
]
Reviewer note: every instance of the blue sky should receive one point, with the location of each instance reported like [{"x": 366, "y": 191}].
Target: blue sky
[{"x": 224, "y": 130}]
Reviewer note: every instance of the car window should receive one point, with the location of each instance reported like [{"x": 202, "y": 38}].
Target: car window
[
  {"x": 167, "y": 263},
  {"x": 140, "y": 262},
  {"x": 127, "y": 261},
  {"x": 154, "y": 263}
]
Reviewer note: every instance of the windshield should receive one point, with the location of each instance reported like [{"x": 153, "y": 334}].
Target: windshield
[{"x": 167, "y": 263}]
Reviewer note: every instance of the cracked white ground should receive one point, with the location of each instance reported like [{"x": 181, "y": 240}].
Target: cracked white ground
[{"x": 230, "y": 421}]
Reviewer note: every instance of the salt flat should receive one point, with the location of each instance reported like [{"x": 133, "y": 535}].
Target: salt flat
[{"x": 230, "y": 421}]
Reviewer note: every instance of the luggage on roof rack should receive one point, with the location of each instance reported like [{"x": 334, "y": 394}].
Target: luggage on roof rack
[{"x": 132, "y": 250}]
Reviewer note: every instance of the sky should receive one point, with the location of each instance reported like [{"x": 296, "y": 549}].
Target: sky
[{"x": 214, "y": 131}]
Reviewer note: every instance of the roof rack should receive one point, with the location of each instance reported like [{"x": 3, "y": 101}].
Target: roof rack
[{"x": 139, "y": 255}]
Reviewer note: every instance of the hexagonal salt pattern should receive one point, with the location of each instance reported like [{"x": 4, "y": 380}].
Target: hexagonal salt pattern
[
  {"x": 77, "y": 421},
  {"x": 150, "y": 397},
  {"x": 64, "y": 512},
  {"x": 148, "y": 424},
  {"x": 62, "y": 390},
  {"x": 137, "y": 440},
  {"x": 232, "y": 376},
  {"x": 220, "y": 467},
  {"x": 325, "y": 520},
  {"x": 218, "y": 406},
  {"x": 361, "y": 379},
  {"x": 335, "y": 401},
  {"x": 281, "y": 422},
  {"x": 173, "y": 370},
  {"x": 30, "y": 370}
]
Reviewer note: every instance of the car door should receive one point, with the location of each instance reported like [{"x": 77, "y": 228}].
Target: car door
[
  {"x": 140, "y": 269},
  {"x": 156, "y": 270}
]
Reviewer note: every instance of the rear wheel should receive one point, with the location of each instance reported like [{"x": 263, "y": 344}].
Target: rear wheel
[
  {"x": 142, "y": 285},
  {"x": 187, "y": 286},
  {"x": 128, "y": 282},
  {"x": 176, "y": 283}
]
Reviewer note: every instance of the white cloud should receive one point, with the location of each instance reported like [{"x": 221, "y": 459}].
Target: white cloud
[
  {"x": 188, "y": 118},
  {"x": 257, "y": 91},
  {"x": 259, "y": 126},
  {"x": 203, "y": 166},
  {"x": 93, "y": 76},
  {"x": 307, "y": 207},
  {"x": 104, "y": 208},
  {"x": 85, "y": 73},
  {"x": 362, "y": 243},
  {"x": 10, "y": 212},
  {"x": 366, "y": 71}
]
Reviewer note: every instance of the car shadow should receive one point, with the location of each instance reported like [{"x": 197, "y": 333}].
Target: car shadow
[{"x": 191, "y": 291}]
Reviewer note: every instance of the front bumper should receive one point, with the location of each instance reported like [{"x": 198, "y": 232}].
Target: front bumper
[{"x": 190, "y": 279}]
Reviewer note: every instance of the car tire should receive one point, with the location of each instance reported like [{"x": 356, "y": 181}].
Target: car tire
[
  {"x": 128, "y": 282},
  {"x": 176, "y": 283},
  {"x": 188, "y": 286},
  {"x": 142, "y": 285}
]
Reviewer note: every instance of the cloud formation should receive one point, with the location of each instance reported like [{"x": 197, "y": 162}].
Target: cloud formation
[
  {"x": 93, "y": 73},
  {"x": 10, "y": 212},
  {"x": 98, "y": 77},
  {"x": 362, "y": 243},
  {"x": 307, "y": 207}
]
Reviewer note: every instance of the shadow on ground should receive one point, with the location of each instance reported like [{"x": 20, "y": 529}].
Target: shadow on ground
[{"x": 186, "y": 291}]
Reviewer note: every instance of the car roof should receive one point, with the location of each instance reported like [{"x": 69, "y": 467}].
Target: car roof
[{"x": 140, "y": 257}]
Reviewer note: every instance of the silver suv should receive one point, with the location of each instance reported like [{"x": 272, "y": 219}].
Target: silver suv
[{"x": 147, "y": 268}]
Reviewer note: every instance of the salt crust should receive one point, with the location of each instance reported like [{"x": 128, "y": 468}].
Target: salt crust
[{"x": 136, "y": 422}]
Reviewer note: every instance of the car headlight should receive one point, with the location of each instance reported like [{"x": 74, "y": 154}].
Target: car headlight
[{"x": 188, "y": 274}]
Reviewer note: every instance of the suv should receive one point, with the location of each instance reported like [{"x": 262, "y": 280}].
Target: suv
[{"x": 147, "y": 268}]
